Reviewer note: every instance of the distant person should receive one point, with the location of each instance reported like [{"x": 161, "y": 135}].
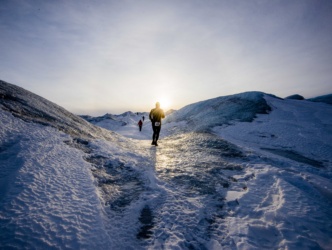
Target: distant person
[
  {"x": 140, "y": 124},
  {"x": 143, "y": 118},
  {"x": 155, "y": 116}
]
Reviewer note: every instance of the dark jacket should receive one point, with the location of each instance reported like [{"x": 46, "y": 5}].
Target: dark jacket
[{"x": 156, "y": 114}]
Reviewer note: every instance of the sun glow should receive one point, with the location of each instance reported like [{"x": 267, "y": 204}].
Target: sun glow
[{"x": 165, "y": 103}]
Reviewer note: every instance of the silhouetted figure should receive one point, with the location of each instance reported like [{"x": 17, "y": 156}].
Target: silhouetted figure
[
  {"x": 155, "y": 116},
  {"x": 143, "y": 118},
  {"x": 140, "y": 124}
]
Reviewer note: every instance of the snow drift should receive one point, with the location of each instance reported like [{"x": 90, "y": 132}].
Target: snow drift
[{"x": 204, "y": 115}]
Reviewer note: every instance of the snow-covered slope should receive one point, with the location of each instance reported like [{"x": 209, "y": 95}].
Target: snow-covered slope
[
  {"x": 48, "y": 199},
  {"x": 125, "y": 124},
  {"x": 33, "y": 108},
  {"x": 324, "y": 98},
  {"x": 249, "y": 171},
  {"x": 292, "y": 191},
  {"x": 48, "y": 195},
  {"x": 204, "y": 115},
  {"x": 301, "y": 127}
]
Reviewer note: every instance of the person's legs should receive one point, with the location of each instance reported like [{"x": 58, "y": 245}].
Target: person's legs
[
  {"x": 153, "y": 134},
  {"x": 156, "y": 135}
]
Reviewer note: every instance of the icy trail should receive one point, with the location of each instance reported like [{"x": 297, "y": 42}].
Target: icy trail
[
  {"x": 197, "y": 191},
  {"x": 206, "y": 193},
  {"x": 173, "y": 196}
]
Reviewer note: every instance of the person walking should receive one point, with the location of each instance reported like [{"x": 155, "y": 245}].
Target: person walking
[
  {"x": 140, "y": 123},
  {"x": 155, "y": 116}
]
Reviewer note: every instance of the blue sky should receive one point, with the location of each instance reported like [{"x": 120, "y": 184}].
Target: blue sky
[{"x": 94, "y": 57}]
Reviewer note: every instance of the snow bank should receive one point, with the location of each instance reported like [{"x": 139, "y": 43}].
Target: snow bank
[
  {"x": 295, "y": 126},
  {"x": 48, "y": 196},
  {"x": 220, "y": 111},
  {"x": 288, "y": 202}
]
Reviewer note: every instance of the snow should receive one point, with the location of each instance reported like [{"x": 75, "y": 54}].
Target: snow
[
  {"x": 248, "y": 171},
  {"x": 288, "y": 198},
  {"x": 125, "y": 124},
  {"x": 293, "y": 125},
  {"x": 324, "y": 99},
  {"x": 203, "y": 116},
  {"x": 48, "y": 196}
]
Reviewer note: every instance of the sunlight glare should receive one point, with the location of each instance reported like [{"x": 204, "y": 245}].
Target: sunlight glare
[{"x": 165, "y": 103}]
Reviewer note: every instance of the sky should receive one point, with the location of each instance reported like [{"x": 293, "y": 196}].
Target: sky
[{"x": 110, "y": 56}]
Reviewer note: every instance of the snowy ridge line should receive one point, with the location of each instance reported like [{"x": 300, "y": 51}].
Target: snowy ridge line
[
  {"x": 33, "y": 108},
  {"x": 220, "y": 111}
]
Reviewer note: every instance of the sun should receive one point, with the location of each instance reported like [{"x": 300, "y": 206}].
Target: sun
[{"x": 165, "y": 103}]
